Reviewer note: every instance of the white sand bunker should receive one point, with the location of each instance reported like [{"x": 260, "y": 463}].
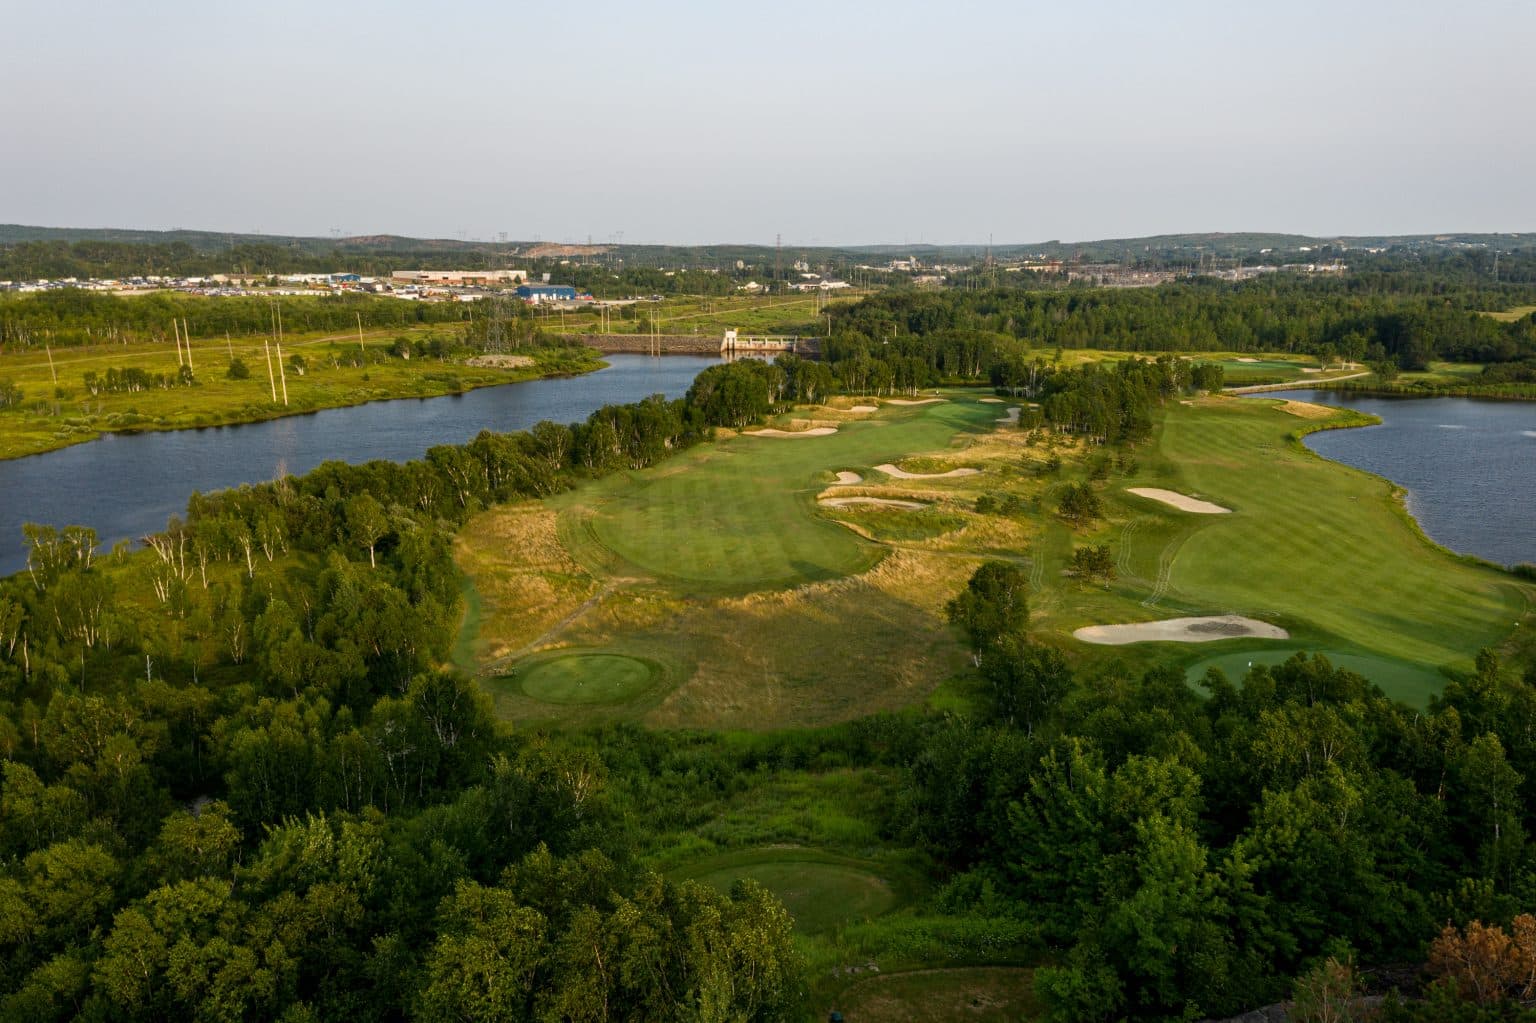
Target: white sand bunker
[
  {"x": 902, "y": 474},
  {"x": 865, "y": 408},
  {"x": 848, "y": 479},
  {"x": 1246, "y": 359},
  {"x": 1012, "y": 418},
  {"x": 991, "y": 401},
  {"x": 1181, "y": 630},
  {"x": 1180, "y": 501},
  {"x": 843, "y": 502},
  {"x": 815, "y": 431},
  {"x": 909, "y": 401}
]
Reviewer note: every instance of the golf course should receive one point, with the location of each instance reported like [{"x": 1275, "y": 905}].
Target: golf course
[{"x": 799, "y": 577}]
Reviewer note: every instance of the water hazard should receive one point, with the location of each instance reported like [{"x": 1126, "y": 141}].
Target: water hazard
[
  {"x": 1469, "y": 466},
  {"x": 127, "y": 485}
]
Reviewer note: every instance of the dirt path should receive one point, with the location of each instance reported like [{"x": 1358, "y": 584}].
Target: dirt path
[{"x": 1295, "y": 385}]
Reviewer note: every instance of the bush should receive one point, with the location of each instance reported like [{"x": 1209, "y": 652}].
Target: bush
[{"x": 238, "y": 370}]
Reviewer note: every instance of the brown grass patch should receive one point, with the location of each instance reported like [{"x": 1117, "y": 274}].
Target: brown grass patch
[
  {"x": 1307, "y": 410},
  {"x": 524, "y": 577}
]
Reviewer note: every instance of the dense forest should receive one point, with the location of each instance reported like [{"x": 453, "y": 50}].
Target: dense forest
[{"x": 1406, "y": 318}]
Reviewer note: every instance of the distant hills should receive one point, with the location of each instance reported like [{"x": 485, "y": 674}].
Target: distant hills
[{"x": 1218, "y": 244}]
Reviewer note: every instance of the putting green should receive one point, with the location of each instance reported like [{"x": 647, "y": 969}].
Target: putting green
[
  {"x": 1411, "y": 683},
  {"x": 586, "y": 679},
  {"x": 741, "y": 515},
  {"x": 821, "y": 891}
]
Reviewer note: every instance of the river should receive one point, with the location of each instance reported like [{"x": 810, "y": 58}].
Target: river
[
  {"x": 127, "y": 485},
  {"x": 1469, "y": 465}
]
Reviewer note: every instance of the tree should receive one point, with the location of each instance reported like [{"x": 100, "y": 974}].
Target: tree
[
  {"x": 1486, "y": 965},
  {"x": 367, "y": 523},
  {"x": 238, "y": 370},
  {"x": 1094, "y": 562},
  {"x": 994, "y": 604},
  {"x": 1079, "y": 504}
]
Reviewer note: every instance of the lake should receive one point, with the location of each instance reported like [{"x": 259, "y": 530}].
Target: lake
[
  {"x": 127, "y": 485},
  {"x": 1469, "y": 466}
]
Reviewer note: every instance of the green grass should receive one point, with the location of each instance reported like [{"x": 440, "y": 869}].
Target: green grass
[
  {"x": 821, "y": 890},
  {"x": 586, "y": 678},
  {"x": 740, "y": 515}
]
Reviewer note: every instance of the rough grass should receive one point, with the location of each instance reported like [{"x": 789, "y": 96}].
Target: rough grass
[{"x": 980, "y": 994}]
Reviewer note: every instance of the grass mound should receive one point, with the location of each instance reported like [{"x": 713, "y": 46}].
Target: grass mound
[
  {"x": 822, "y": 891},
  {"x": 586, "y": 679}
]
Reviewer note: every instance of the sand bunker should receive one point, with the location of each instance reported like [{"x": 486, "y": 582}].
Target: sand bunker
[
  {"x": 1180, "y": 501},
  {"x": 848, "y": 479},
  {"x": 909, "y": 401},
  {"x": 1245, "y": 359},
  {"x": 865, "y": 408},
  {"x": 1012, "y": 418},
  {"x": 843, "y": 502},
  {"x": 902, "y": 474},
  {"x": 1181, "y": 630},
  {"x": 991, "y": 401},
  {"x": 816, "y": 431}
]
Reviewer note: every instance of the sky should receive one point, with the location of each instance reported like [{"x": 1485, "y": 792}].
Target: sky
[{"x": 825, "y": 123}]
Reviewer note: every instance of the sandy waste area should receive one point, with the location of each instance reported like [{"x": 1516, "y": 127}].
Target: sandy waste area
[
  {"x": 815, "y": 431},
  {"x": 843, "y": 502},
  {"x": 902, "y": 474},
  {"x": 1180, "y": 501},
  {"x": 1181, "y": 630}
]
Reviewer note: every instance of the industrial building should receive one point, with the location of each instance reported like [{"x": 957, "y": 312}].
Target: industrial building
[{"x": 546, "y": 293}]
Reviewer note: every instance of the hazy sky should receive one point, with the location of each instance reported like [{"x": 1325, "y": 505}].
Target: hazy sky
[{"x": 825, "y": 122}]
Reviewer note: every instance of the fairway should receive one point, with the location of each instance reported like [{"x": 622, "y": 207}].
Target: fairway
[
  {"x": 822, "y": 891},
  {"x": 586, "y": 679},
  {"x": 1318, "y": 547},
  {"x": 740, "y": 515}
]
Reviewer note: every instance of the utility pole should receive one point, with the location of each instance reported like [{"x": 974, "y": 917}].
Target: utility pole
[
  {"x": 266, "y": 350},
  {"x": 51, "y": 371},
  {"x": 360, "y": 330},
  {"x": 230, "y": 346},
  {"x": 186, "y": 332},
  {"x": 176, "y": 333}
]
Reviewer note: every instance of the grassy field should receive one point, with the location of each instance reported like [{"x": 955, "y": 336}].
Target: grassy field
[
  {"x": 760, "y": 608},
  {"x": 57, "y": 415},
  {"x": 801, "y": 315},
  {"x": 1519, "y": 312}
]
